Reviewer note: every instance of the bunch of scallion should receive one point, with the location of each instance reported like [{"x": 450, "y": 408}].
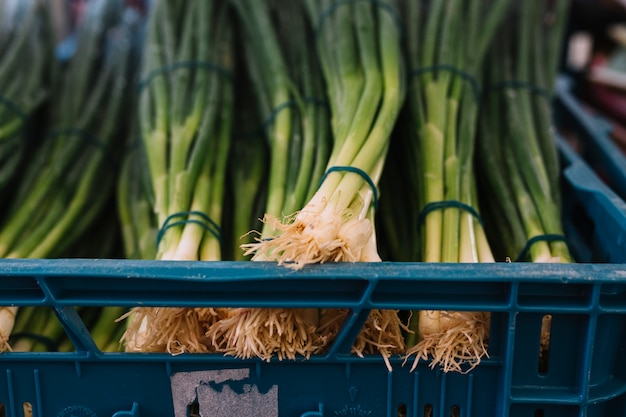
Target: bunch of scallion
[
  {"x": 185, "y": 114},
  {"x": 519, "y": 173},
  {"x": 358, "y": 47},
  {"x": 69, "y": 180},
  {"x": 27, "y": 70},
  {"x": 290, "y": 98},
  {"x": 519, "y": 168},
  {"x": 446, "y": 44}
]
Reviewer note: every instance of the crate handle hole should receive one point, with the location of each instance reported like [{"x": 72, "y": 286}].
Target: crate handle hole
[
  {"x": 539, "y": 412},
  {"x": 544, "y": 344},
  {"x": 402, "y": 410},
  {"x": 2, "y": 412},
  {"x": 428, "y": 410},
  {"x": 193, "y": 409},
  {"x": 28, "y": 409},
  {"x": 455, "y": 411}
]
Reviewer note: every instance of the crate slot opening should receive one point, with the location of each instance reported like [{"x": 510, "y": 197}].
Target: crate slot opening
[
  {"x": 39, "y": 329},
  {"x": 402, "y": 410},
  {"x": 428, "y": 410},
  {"x": 2, "y": 412},
  {"x": 544, "y": 344},
  {"x": 539, "y": 413}
]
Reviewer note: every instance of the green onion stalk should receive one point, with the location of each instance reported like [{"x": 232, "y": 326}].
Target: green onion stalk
[
  {"x": 247, "y": 183},
  {"x": 446, "y": 44},
  {"x": 137, "y": 220},
  {"x": 185, "y": 115},
  {"x": 27, "y": 70},
  {"x": 517, "y": 147},
  {"x": 287, "y": 88},
  {"x": 67, "y": 183},
  {"x": 358, "y": 47}
]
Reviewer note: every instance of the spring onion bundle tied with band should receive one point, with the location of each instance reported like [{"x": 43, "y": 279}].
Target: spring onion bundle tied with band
[
  {"x": 288, "y": 90},
  {"x": 358, "y": 44},
  {"x": 69, "y": 179},
  {"x": 446, "y": 43},
  {"x": 27, "y": 68},
  {"x": 185, "y": 117},
  {"x": 517, "y": 150},
  {"x": 358, "y": 47}
]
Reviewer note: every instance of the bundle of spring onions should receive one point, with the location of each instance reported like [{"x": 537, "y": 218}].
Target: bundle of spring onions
[
  {"x": 517, "y": 150},
  {"x": 359, "y": 49},
  {"x": 290, "y": 99},
  {"x": 69, "y": 179},
  {"x": 185, "y": 115},
  {"x": 24, "y": 44},
  {"x": 358, "y": 46},
  {"x": 446, "y": 43}
]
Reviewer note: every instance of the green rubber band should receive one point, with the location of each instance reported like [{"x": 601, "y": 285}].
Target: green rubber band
[
  {"x": 209, "y": 66},
  {"x": 450, "y": 68},
  {"x": 539, "y": 238},
  {"x": 354, "y": 170},
  {"x": 441, "y": 205},
  {"x": 208, "y": 224},
  {"x": 334, "y": 6},
  {"x": 291, "y": 103},
  {"x": 270, "y": 119}
]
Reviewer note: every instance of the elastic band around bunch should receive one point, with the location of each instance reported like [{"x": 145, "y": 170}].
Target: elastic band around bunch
[
  {"x": 450, "y": 68},
  {"x": 334, "y": 6},
  {"x": 441, "y": 205},
  {"x": 11, "y": 105},
  {"x": 208, "y": 224},
  {"x": 355, "y": 170},
  {"x": 209, "y": 66},
  {"x": 539, "y": 238},
  {"x": 291, "y": 103},
  {"x": 522, "y": 85}
]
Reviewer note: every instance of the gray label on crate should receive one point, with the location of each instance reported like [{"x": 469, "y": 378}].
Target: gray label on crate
[{"x": 221, "y": 393}]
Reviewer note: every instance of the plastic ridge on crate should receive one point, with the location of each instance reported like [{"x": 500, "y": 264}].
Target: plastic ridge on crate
[
  {"x": 595, "y": 132},
  {"x": 585, "y": 373}
]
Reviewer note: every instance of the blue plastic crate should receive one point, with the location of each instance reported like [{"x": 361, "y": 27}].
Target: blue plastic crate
[
  {"x": 594, "y": 132},
  {"x": 585, "y": 375}
]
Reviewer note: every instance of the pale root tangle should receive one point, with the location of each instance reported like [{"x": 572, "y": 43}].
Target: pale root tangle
[
  {"x": 381, "y": 332},
  {"x": 310, "y": 239},
  {"x": 265, "y": 333},
  {"x": 460, "y": 341},
  {"x": 7, "y": 321},
  {"x": 169, "y": 329}
]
